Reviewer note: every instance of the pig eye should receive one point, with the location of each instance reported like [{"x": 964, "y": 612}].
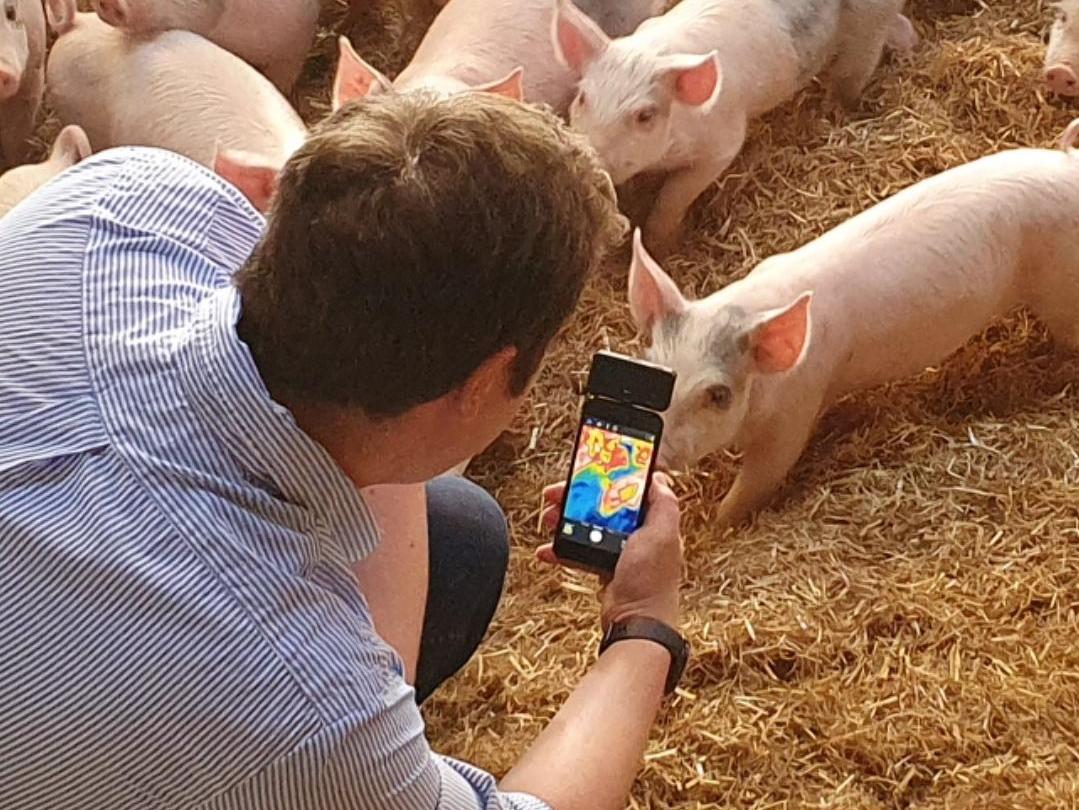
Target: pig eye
[
  {"x": 645, "y": 116},
  {"x": 720, "y": 396},
  {"x": 9, "y": 11}
]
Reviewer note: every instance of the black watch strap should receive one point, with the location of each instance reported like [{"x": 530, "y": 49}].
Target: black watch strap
[{"x": 644, "y": 628}]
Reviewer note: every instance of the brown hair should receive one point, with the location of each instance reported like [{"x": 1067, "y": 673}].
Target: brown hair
[{"x": 411, "y": 239}]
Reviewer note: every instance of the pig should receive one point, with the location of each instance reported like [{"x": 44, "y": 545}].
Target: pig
[
  {"x": 22, "y": 60},
  {"x": 676, "y": 96},
  {"x": 355, "y": 79},
  {"x": 1062, "y": 56},
  {"x": 883, "y": 296},
  {"x": 479, "y": 44},
  {"x": 191, "y": 97},
  {"x": 70, "y": 146},
  {"x": 273, "y": 35}
]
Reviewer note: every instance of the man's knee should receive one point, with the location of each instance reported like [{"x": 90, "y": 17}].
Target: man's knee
[{"x": 470, "y": 525}]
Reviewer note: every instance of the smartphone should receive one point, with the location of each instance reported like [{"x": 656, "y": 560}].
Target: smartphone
[{"x": 613, "y": 460}]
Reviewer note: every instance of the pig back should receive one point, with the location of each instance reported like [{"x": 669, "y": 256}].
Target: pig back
[
  {"x": 85, "y": 77},
  {"x": 901, "y": 286},
  {"x": 477, "y": 41},
  {"x": 191, "y": 97},
  {"x": 761, "y": 67}
]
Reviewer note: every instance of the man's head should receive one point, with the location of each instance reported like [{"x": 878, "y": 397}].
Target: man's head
[{"x": 419, "y": 257}]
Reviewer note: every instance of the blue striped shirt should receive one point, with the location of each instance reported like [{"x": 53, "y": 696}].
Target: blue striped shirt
[{"x": 179, "y": 624}]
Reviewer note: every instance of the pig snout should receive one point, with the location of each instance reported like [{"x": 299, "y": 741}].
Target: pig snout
[
  {"x": 1062, "y": 80},
  {"x": 116, "y": 13},
  {"x": 671, "y": 456},
  {"x": 10, "y": 78}
]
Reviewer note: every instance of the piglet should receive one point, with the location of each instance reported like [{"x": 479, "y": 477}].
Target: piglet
[
  {"x": 174, "y": 90},
  {"x": 677, "y": 95},
  {"x": 883, "y": 296},
  {"x": 272, "y": 35},
  {"x": 70, "y": 146},
  {"x": 1062, "y": 56},
  {"x": 481, "y": 44},
  {"x": 22, "y": 59}
]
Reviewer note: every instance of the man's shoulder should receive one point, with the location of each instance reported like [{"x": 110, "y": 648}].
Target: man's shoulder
[
  {"x": 99, "y": 269},
  {"x": 162, "y": 193}
]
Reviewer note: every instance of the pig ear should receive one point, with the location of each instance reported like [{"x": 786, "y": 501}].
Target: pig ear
[
  {"x": 509, "y": 86},
  {"x": 60, "y": 15},
  {"x": 779, "y": 339},
  {"x": 256, "y": 178},
  {"x": 355, "y": 79},
  {"x": 653, "y": 296},
  {"x": 71, "y": 145},
  {"x": 577, "y": 39},
  {"x": 696, "y": 79}
]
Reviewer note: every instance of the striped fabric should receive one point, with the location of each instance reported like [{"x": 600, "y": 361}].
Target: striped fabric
[{"x": 179, "y": 627}]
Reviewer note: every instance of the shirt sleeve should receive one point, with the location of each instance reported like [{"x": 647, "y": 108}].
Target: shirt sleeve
[{"x": 369, "y": 764}]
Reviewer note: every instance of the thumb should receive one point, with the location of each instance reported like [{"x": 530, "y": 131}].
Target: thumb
[{"x": 664, "y": 514}]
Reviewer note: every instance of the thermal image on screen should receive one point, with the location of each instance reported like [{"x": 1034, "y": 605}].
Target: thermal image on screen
[{"x": 610, "y": 474}]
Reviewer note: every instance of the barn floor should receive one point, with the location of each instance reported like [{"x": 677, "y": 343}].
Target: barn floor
[{"x": 899, "y": 629}]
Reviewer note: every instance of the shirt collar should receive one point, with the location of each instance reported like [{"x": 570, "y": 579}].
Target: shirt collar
[{"x": 230, "y": 396}]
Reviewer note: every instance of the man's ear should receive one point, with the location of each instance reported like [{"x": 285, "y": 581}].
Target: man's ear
[
  {"x": 487, "y": 383},
  {"x": 355, "y": 80},
  {"x": 778, "y": 341},
  {"x": 653, "y": 295}
]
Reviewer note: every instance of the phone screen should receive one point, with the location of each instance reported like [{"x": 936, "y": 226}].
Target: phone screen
[{"x": 607, "y": 484}]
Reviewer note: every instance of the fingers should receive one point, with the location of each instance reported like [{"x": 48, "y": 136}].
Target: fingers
[
  {"x": 664, "y": 514},
  {"x": 552, "y": 503},
  {"x": 552, "y": 493}
]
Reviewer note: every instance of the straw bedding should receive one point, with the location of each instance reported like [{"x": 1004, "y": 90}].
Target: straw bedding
[{"x": 898, "y": 630}]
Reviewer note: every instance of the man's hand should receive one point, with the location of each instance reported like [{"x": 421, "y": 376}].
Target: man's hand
[{"x": 646, "y": 580}]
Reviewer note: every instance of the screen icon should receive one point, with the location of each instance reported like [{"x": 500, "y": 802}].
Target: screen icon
[{"x": 596, "y": 536}]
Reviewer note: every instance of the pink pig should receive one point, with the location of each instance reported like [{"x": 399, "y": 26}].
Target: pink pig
[
  {"x": 272, "y": 35},
  {"x": 482, "y": 44},
  {"x": 191, "y": 97},
  {"x": 70, "y": 146},
  {"x": 883, "y": 296},
  {"x": 1062, "y": 56},
  {"x": 22, "y": 58},
  {"x": 676, "y": 96}
]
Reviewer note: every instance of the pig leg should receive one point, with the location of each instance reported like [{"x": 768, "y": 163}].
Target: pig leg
[
  {"x": 1057, "y": 301},
  {"x": 284, "y": 74},
  {"x": 682, "y": 187},
  {"x": 766, "y": 463},
  {"x": 866, "y": 27},
  {"x": 16, "y": 126}
]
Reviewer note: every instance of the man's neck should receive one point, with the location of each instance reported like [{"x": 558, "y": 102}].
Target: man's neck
[{"x": 369, "y": 451}]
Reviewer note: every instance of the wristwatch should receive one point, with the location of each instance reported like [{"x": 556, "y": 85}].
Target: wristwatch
[{"x": 641, "y": 627}]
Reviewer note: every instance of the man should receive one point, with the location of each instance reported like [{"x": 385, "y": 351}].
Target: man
[{"x": 191, "y": 590}]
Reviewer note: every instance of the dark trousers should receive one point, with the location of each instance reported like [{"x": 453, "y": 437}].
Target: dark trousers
[{"x": 469, "y": 550}]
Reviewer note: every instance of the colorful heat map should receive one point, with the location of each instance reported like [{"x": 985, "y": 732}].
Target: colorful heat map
[{"x": 610, "y": 474}]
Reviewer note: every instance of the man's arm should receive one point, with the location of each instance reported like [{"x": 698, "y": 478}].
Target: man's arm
[
  {"x": 589, "y": 756},
  {"x": 393, "y": 578}
]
